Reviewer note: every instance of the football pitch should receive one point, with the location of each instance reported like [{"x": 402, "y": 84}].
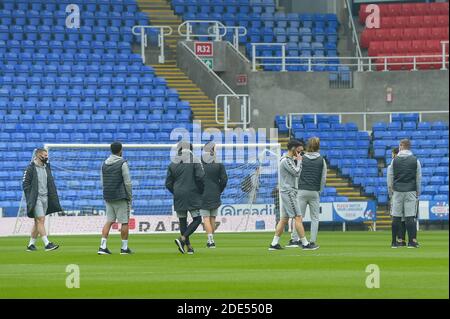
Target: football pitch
[{"x": 240, "y": 267}]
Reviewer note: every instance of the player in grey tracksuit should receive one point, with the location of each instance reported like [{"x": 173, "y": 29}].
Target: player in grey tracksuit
[
  {"x": 290, "y": 208},
  {"x": 404, "y": 177},
  {"x": 313, "y": 177}
]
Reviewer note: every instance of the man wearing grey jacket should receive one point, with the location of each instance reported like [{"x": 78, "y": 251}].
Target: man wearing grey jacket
[
  {"x": 313, "y": 177},
  {"x": 117, "y": 193},
  {"x": 404, "y": 177}
]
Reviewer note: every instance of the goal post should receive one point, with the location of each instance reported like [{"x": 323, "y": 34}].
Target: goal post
[{"x": 248, "y": 202}]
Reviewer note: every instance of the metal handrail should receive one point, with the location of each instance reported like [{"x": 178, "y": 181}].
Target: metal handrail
[
  {"x": 236, "y": 33},
  {"x": 217, "y": 25},
  {"x": 208, "y": 69},
  {"x": 362, "y": 63},
  {"x": 365, "y": 114},
  {"x": 142, "y": 33},
  {"x": 245, "y": 110}
]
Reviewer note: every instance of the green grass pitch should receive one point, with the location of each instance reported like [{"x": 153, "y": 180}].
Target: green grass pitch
[{"x": 240, "y": 267}]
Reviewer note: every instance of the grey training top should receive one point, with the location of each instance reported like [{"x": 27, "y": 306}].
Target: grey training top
[
  {"x": 289, "y": 174},
  {"x": 42, "y": 179}
]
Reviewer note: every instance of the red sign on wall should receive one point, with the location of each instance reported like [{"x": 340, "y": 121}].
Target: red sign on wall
[
  {"x": 241, "y": 79},
  {"x": 203, "y": 48}
]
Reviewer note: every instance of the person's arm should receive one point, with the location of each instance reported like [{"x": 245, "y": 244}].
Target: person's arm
[
  {"x": 169, "y": 180},
  {"x": 324, "y": 176},
  {"x": 223, "y": 178},
  {"x": 291, "y": 168},
  {"x": 419, "y": 178},
  {"x": 199, "y": 175},
  {"x": 390, "y": 179},
  {"x": 127, "y": 181},
  {"x": 27, "y": 180}
]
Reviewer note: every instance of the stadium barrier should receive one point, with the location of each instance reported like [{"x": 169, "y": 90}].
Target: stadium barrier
[
  {"x": 360, "y": 64},
  {"x": 140, "y": 30},
  {"x": 364, "y": 115},
  {"x": 245, "y": 110}
]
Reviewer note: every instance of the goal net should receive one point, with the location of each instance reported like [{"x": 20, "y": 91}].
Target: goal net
[{"x": 248, "y": 202}]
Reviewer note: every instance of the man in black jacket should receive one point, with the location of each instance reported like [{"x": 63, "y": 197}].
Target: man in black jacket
[
  {"x": 185, "y": 180},
  {"x": 216, "y": 180},
  {"x": 41, "y": 197}
]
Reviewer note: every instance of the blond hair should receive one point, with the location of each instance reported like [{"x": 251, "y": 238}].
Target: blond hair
[
  {"x": 405, "y": 144},
  {"x": 313, "y": 145}
]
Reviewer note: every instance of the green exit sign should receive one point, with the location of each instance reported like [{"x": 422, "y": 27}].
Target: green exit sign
[{"x": 209, "y": 63}]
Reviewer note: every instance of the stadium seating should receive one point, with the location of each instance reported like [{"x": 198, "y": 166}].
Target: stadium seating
[
  {"x": 60, "y": 85},
  {"x": 306, "y": 35},
  {"x": 412, "y": 29}
]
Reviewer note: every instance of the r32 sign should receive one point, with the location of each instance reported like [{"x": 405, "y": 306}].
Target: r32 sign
[{"x": 203, "y": 49}]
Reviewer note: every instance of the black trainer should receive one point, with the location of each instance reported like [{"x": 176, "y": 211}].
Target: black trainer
[
  {"x": 276, "y": 247},
  {"x": 126, "y": 251},
  {"x": 190, "y": 251},
  {"x": 310, "y": 246},
  {"x": 293, "y": 244},
  {"x": 51, "y": 246},
  {"x": 394, "y": 245},
  {"x": 402, "y": 243},
  {"x": 413, "y": 244},
  {"x": 102, "y": 251},
  {"x": 31, "y": 248},
  {"x": 211, "y": 245},
  {"x": 180, "y": 243}
]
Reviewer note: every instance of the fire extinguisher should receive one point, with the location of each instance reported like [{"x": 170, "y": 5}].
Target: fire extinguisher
[{"x": 389, "y": 95}]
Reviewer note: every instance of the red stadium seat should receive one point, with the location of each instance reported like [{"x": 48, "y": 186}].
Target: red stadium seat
[
  {"x": 422, "y": 9},
  {"x": 410, "y": 34},
  {"x": 404, "y": 46},
  {"x": 418, "y": 46},
  {"x": 429, "y": 21},
  {"x": 402, "y": 22},
  {"x": 443, "y": 8},
  {"x": 442, "y": 21},
  {"x": 396, "y": 34},
  {"x": 388, "y": 22},
  {"x": 415, "y": 22},
  {"x": 438, "y": 9},
  {"x": 439, "y": 34},
  {"x": 376, "y": 48},
  {"x": 390, "y": 47},
  {"x": 433, "y": 46},
  {"x": 423, "y": 33},
  {"x": 366, "y": 36},
  {"x": 393, "y": 10},
  {"x": 382, "y": 35},
  {"x": 408, "y": 9},
  {"x": 362, "y": 13}
]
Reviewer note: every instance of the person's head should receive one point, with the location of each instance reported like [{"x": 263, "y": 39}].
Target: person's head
[
  {"x": 302, "y": 146},
  {"x": 313, "y": 145},
  {"x": 405, "y": 144},
  {"x": 295, "y": 147},
  {"x": 116, "y": 148},
  {"x": 395, "y": 151},
  {"x": 209, "y": 152},
  {"x": 184, "y": 145},
  {"x": 41, "y": 155}
]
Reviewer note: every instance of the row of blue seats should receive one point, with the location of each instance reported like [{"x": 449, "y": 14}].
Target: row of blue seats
[
  {"x": 32, "y": 49},
  {"x": 85, "y": 5},
  {"x": 128, "y": 59},
  {"x": 421, "y": 153},
  {"x": 358, "y": 163},
  {"x": 428, "y": 143},
  {"x": 104, "y": 70},
  {"x": 74, "y": 45},
  {"x": 428, "y": 171},
  {"x": 437, "y": 132},
  {"x": 335, "y": 135},
  {"x": 397, "y": 126},
  {"x": 89, "y": 88},
  {"x": 158, "y": 93},
  {"x": 299, "y": 127},
  {"x": 221, "y": 6},
  {"x": 63, "y": 113},
  {"x": 345, "y": 154},
  {"x": 381, "y": 181}
]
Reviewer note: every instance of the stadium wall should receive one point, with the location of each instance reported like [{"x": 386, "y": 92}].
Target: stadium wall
[{"x": 281, "y": 93}]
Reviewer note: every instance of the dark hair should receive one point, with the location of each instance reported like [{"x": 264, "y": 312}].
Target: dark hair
[
  {"x": 116, "y": 147},
  {"x": 40, "y": 150},
  {"x": 405, "y": 143},
  {"x": 395, "y": 150},
  {"x": 293, "y": 144}
]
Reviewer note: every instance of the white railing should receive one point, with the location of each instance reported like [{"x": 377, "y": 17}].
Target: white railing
[
  {"x": 245, "y": 110},
  {"x": 363, "y": 114},
  {"x": 236, "y": 34},
  {"x": 361, "y": 64},
  {"x": 141, "y": 30},
  {"x": 219, "y": 30},
  {"x": 351, "y": 25}
]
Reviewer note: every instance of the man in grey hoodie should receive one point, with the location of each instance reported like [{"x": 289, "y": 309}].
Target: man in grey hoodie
[
  {"x": 404, "y": 177},
  {"x": 117, "y": 193},
  {"x": 313, "y": 177},
  {"x": 289, "y": 174}
]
